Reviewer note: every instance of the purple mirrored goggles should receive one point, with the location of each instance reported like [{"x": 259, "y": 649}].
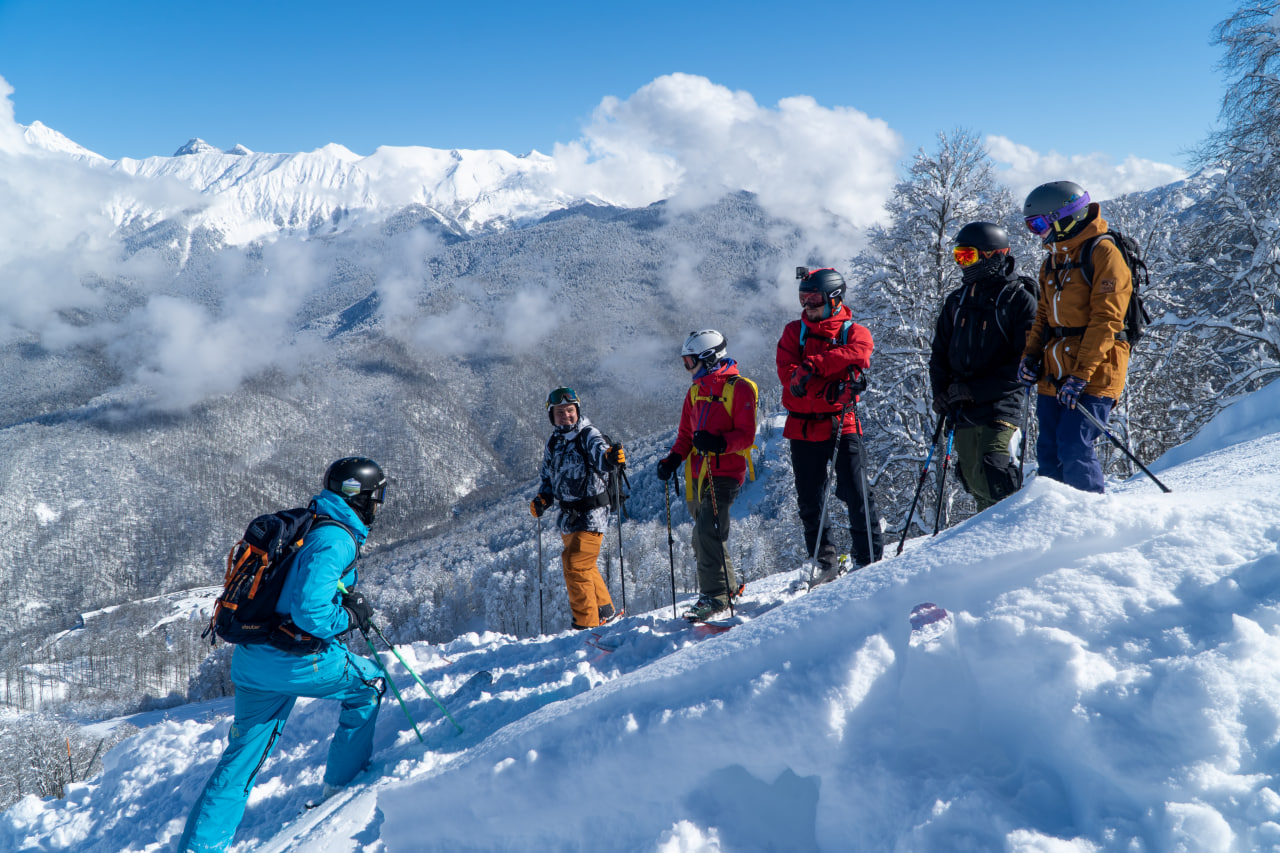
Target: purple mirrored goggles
[{"x": 1041, "y": 223}]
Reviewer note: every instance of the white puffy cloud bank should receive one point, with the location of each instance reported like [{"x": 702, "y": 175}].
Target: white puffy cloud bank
[{"x": 1022, "y": 169}]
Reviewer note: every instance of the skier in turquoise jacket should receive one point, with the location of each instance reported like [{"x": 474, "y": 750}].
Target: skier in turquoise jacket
[{"x": 268, "y": 680}]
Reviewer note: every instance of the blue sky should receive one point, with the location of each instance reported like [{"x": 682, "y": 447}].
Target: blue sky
[{"x": 138, "y": 78}]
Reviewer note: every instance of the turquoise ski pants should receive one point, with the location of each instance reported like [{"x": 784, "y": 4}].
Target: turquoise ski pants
[{"x": 259, "y": 721}]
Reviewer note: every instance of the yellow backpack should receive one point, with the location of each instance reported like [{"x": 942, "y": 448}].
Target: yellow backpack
[{"x": 696, "y": 397}]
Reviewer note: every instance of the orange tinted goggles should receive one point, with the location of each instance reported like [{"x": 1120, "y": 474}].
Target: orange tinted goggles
[{"x": 967, "y": 256}]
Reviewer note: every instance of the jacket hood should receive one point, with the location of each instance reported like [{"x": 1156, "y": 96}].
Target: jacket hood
[
  {"x": 1095, "y": 226},
  {"x": 330, "y": 504},
  {"x": 725, "y": 367},
  {"x": 828, "y": 327}
]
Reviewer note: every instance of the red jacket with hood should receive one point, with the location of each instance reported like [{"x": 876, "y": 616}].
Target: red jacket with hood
[
  {"x": 738, "y": 429},
  {"x": 809, "y": 417}
]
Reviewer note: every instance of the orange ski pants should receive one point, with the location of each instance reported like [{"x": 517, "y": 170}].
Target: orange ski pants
[{"x": 587, "y": 592}]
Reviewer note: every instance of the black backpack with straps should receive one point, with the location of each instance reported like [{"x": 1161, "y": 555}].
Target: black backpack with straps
[
  {"x": 1136, "y": 316},
  {"x": 257, "y": 567}
]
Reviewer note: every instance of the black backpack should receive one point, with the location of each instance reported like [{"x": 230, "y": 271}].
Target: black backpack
[
  {"x": 257, "y": 566},
  {"x": 1136, "y": 316}
]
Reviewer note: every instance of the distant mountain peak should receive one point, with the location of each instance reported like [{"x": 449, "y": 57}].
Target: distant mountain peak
[{"x": 196, "y": 145}]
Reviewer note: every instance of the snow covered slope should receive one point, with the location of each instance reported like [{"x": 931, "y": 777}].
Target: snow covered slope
[{"x": 1110, "y": 682}]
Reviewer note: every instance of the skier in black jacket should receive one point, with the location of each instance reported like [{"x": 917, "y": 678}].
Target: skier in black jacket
[{"x": 973, "y": 366}]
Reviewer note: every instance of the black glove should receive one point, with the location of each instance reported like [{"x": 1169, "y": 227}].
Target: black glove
[
  {"x": 958, "y": 394},
  {"x": 539, "y": 504},
  {"x": 359, "y": 611},
  {"x": 709, "y": 442},
  {"x": 801, "y": 378},
  {"x": 940, "y": 403},
  {"x": 668, "y": 465}
]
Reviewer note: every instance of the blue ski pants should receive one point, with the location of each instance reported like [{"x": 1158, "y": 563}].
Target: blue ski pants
[
  {"x": 259, "y": 720},
  {"x": 1064, "y": 450}
]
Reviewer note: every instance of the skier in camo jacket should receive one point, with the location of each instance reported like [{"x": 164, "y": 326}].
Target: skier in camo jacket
[{"x": 573, "y": 475}]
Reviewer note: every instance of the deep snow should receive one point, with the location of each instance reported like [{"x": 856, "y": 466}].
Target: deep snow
[{"x": 1110, "y": 681}]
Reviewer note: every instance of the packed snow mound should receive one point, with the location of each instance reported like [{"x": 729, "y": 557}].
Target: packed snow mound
[{"x": 1106, "y": 677}]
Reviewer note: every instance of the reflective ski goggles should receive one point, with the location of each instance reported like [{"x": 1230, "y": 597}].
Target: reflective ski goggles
[
  {"x": 812, "y": 298},
  {"x": 1041, "y": 223},
  {"x": 560, "y": 396},
  {"x": 967, "y": 256}
]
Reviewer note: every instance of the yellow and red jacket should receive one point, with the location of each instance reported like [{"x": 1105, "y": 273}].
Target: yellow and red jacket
[
  {"x": 809, "y": 417},
  {"x": 724, "y": 403},
  {"x": 1079, "y": 329}
]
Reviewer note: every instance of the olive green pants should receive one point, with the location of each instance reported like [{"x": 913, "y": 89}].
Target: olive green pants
[{"x": 987, "y": 462}]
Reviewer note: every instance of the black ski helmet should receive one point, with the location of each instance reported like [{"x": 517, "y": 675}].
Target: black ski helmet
[
  {"x": 559, "y": 397},
  {"x": 707, "y": 347},
  {"x": 826, "y": 281},
  {"x": 1054, "y": 209},
  {"x": 360, "y": 482},
  {"x": 983, "y": 236}
]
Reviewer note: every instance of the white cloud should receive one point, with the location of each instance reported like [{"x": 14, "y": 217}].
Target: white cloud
[
  {"x": 686, "y": 138},
  {"x": 1023, "y": 169}
]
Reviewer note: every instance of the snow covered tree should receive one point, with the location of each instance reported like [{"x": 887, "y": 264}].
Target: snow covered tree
[
  {"x": 899, "y": 283},
  {"x": 1232, "y": 248}
]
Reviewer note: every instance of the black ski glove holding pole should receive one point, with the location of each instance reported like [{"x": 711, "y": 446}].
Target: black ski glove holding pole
[{"x": 359, "y": 610}]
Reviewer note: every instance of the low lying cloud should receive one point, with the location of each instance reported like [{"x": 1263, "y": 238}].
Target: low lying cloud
[
  {"x": 1023, "y": 169},
  {"x": 685, "y": 138},
  {"x": 681, "y": 138}
]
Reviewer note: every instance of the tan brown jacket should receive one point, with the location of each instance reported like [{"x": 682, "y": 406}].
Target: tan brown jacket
[{"x": 1099, "y": 354}]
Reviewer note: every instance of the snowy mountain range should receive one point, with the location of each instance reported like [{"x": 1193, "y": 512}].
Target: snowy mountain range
[
  {"x": 249, "y": 196},
  {"x": 1103, "y": 678}
]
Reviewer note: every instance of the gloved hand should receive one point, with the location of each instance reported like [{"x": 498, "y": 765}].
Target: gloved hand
[
  {"x": 615, "y": 455},
  {"x": 1070, "y": 390},
  {"x": 940, "y": 403},
  {"x": 1029, "y": 370},
  {"x": 539, "y": 504},
  {"x": 801, "y": 378},
  {"x": 359, "y": 610},
  {"x": 668, "y": 465},
  {"x": 958, "y": 394},
  {"x": 709, "y": 442},
  {"x": 838, "y": 394}
]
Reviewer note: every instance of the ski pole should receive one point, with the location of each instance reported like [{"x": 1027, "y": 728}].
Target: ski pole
[
  {"x": 836, "y": 422},
  {"x": 1026, "y": 409},
  {"x": 391, "y": 681},
  {"x": 421, "y": 683},
  {"x": 942, "y": 479},
  {"x": 542, "y": 628},
  {"x": 715, "y": 515},
  {"x": 622, "y": 566},
  {"x": 343, "y": 589},
  {"x": 924, "y": 473},
  {"x": 866, "y": 500},
  {"x": 671, "y": 545},
  {"x": 1088, "y": 415}
]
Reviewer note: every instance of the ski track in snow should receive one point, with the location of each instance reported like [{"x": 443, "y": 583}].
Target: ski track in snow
[{"x": 1107, "y": 678}]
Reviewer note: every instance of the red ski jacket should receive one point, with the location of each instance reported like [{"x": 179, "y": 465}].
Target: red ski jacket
[
  {"x": 705, "y": 409},
  {"x": 809, "y": 417}
]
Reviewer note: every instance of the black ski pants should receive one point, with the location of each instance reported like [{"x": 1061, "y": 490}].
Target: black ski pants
[{"x": 809, "y": 461}]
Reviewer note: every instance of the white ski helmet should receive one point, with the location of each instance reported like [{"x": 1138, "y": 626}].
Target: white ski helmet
[{"x": 706, "y": 347}]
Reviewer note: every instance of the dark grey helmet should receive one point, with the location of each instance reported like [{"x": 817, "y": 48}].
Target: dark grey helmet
[
  {"x": 1054, "y": 209},
  {"x": 983, "y": 236},
  {"x": 360, "y": 482}
]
